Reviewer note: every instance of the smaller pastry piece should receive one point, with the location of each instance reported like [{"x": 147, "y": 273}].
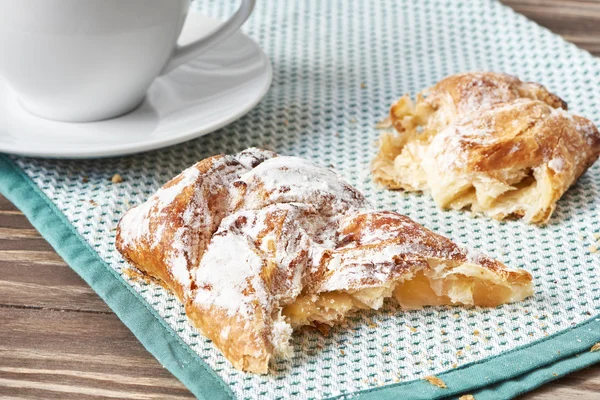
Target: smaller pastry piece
[
  {"x": 512, "y": 159},
  {"x": 488, "y": 142}
]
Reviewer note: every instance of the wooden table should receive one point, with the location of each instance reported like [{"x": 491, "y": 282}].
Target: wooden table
[{"x": 58, "y": 340}]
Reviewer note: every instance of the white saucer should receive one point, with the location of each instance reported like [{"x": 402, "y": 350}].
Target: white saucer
[{"x": 192, "y": 100}]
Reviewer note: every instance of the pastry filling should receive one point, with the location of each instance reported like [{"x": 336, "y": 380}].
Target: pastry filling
[
  {"x": 466, "y": 284},
  {"x": 521, "y": 195},
  {"x": 499, "y": 199}
]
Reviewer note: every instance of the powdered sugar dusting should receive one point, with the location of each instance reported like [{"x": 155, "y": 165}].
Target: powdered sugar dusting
[
  {"x": 177, "y": 259},
  {"x": 200, "y": 215},
  {"x": 293, "y": 179},
  {"x": 236, "y": 285},
  {"x": 135, "y": 224},
  {"x": 289, "y": 227},
  {"x": 276, "y": 237},
  {"x": 482, "y": 92},
  {"x": 556, "y": 164}
]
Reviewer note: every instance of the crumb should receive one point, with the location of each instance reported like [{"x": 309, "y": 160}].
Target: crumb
[
  {"x": 324, "y": 329},
  {"x": 116, "y": 178},
  {"x": 396, "y": 379},
  {"x": 595, "y": 347},
  {"x": 593, "y": 249},
  {"x": 466, "y": 397},
  {"x": 342, "y": 352},
  {"x": 580, "y": 237},
  {"x": 85, "y": 179},
  {"x": 476, "y": 332},
  {"x": 363, "y": 85},
  {"x": 443, "y": 332},
  {"x": 459, "y": 353},
  {"x": 596, "y": 236},
  {"x": 413, "y": 329},
  {"x": 468, "y": 347},
  {"x": 554, "y": 374},
  {"x": 385, "y": 123},
  {"x": 286, "y": 122},
  {"x": 456, "y": 315},
  {"x": 137, "y": 275},
  {"x": 372, "y": 325},
  {"x": 92, "y": 202},
  {"x": 434, "y": 380},
  {"x": 454, "y": 365}
]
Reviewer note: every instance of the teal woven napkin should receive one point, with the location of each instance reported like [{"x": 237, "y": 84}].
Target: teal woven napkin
[{"x": 338, "y": 66}]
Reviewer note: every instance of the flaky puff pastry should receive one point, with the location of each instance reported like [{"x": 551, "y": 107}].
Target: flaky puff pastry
[
  {"x": 186, "y": 210},
  {"x": 488, "y": 142},
  {"x": 297, "y": 246}
]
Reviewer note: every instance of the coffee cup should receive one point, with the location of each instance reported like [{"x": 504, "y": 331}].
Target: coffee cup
[{"x": 89, "y": 60}]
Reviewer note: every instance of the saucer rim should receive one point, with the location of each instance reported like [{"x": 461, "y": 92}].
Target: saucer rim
[{"x": 116, "y": 150}]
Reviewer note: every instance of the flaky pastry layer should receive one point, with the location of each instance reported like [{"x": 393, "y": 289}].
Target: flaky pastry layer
[
  {"x": 488, "y": 142},
  {"x": 258, "y": 245}
]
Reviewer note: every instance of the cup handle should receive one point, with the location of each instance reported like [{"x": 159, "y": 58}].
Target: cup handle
[{"x": 183, "y": 54}]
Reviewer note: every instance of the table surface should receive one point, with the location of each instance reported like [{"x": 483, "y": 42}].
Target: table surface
[{"x": 59, "y": 340}]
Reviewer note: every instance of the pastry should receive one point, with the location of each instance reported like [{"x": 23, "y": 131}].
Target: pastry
[
  {"x": 166, "y": 236},
  {"x": 488, "y": 142},
  {"x": 279, "y": 243}
]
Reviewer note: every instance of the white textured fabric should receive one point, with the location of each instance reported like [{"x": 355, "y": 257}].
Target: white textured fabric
[{"x": 338, "y": 66}]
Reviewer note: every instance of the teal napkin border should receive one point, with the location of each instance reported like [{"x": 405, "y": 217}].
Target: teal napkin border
[{"x": 503, "y": 376}]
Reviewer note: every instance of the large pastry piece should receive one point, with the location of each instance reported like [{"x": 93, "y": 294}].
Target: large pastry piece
[
  {"x": 257, "y": 245},
  {"x": 488, "y": 142}
]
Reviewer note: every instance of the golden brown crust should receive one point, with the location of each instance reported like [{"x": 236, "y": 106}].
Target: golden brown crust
[
  {"x": 250, "y": 349},
  {"x": 468, "y": 92},
  {"x": 478, "y": 139},
  {"x": 188, "y": 209},
  {"x": 256, "y": 250},
  {"x": 365, "y": 236},
  {"x": 524, "y": 139},
  {"x": 149, "y": 255}
]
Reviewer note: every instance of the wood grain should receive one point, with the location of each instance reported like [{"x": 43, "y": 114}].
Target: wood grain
[
  {"x": 58, "y": 340},
  {"x": 578, "y": 21}
]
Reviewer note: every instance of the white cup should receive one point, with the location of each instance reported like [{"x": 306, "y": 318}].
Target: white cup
[{"x": 88, "y": 60}]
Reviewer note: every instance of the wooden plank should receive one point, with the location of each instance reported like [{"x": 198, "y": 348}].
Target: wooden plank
[
  {"x": 6, "y": 205},
  {"x": 14, "y": 234},
  {"x": 13, "y": 219},
  {"x": 37, "y": 258},
  {"x": 17, "y": 242},
  {"x": 58, "y": 340},
  {"x": 577, "y": 21},
  {"x": 32, "y": 275},
  {"x": 77, "y": 355},
  {"x": 581, "y": 385},
  {"x": 40, "y": 284}
]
